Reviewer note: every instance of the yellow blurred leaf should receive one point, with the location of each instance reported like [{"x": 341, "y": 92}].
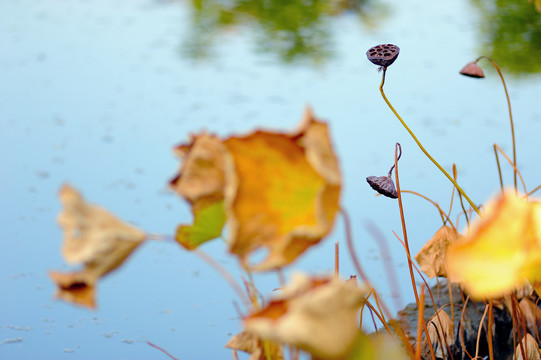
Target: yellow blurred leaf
[
  {"x": 502, "y": 249},
  {"x": 318, "y": 315},
  {"x": 380, "y": 346},
  {"x": 433, "y": 254},
  {"x": 286, "y": 192},
  {"x": 95, "y": 238}
]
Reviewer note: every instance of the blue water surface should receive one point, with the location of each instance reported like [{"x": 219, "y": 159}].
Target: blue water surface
[{"x": 97, "y": 93}]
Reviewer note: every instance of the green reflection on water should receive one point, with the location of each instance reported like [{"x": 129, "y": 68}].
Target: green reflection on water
[
  {"x": 511, "y": 32},
  {"x": 292, "y": 29}
]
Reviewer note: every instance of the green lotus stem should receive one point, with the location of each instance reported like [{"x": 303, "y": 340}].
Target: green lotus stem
[
  {"x": 510, "y": 113},
  {"x": 459, "y": 189}
]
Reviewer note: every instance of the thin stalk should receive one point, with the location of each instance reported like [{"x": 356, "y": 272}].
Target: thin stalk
[
  {"x": 410, "y": 266},
  {"x": 429, "y": 292},
  {"x": 373, "y": 320},
  {"x": 459, "y": 189},
  {"x": 420, "y": 320},
  {"x": 460, "y": 198},
  {"x": 444, "y": 217},
  {"x": 336, "y": 260},
  {"x": 489, "y": 330},
  {"x": 499, "y": 167},
  {"x": 461, "y": 324},
  {"x": 162, "y": 350},
  {"x": 452, "y": 199},
  {"x": 225, "y": 274},
  {"x": 357, "y": 264},
  {"x": 510, "y": 113},
  {"x": 534, "y": 190},
  {"x": 496, "y": 146},
  {"x": 479, "y": 332}
]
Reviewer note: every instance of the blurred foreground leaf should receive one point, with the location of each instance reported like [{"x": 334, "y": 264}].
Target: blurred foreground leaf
[
  {"x": 502, "y": 249},
  {"x": 378, "y": 346},
  {"x": 95, "y": 238},
  {"x": 318, "y": 315},
  {"x": 280, "y": 191}
]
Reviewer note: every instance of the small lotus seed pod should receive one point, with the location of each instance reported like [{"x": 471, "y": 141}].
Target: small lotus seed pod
[
  {"x": 472, "y": 70},
  {"x": 383, "y": 185},
  {"x": 383, "y": 55}
]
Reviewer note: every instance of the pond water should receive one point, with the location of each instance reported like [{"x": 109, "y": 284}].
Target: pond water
[{"x": 96, "y": 93}]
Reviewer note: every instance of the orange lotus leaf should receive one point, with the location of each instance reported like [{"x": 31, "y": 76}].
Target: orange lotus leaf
[
  {"x": 283, "y": 192},
  {"x": 502, "y": 249},
  {"x": 276, "y": 191},
  {"x": 318, "y": 315},
  {"x": 95, "y": 238},
  {"x": 432, "y": 255}
]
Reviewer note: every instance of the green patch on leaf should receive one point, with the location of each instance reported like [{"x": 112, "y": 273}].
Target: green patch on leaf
[{"x": 207, "y": 225}]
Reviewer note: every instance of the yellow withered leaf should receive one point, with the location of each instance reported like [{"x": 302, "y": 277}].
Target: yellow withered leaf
[
  {"x": 432, "y": 255},
  {"x": 501, "y": 250},
  {"x": 318, "y": 315},
  {"x": 285, "y": 192},
  {"x": 92, "y": 237},
  {"x": 276, "y": 191}
]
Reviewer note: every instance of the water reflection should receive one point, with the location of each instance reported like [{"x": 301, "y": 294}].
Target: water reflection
[
  {"x": 292, "y": 29},
  {"x": 511, "y": 32}
]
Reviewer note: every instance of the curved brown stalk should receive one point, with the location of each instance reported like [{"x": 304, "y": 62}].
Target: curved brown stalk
[
  {"x": 420, "y": 320},
  {"x": 455, "y": 175},
  {"x": 496, "y": 146},
  {"x": 403, "y": 221},
  {"x": 534, "y": 190},
  {"x": 430, "y": 292},
  {"x": 225, "y": 274},
  {"x": 444, "y": 216},
  {"x": 479, "y": 332},
  {"x": 510, "y": 113}
]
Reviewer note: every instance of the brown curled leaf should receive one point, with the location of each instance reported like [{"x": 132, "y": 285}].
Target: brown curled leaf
[
  {"x": 94, "y": 238},
  {"x": 318, "y": 315}
]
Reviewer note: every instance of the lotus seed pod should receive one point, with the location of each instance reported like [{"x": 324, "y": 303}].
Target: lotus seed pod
[
  {"x": 383, "y": 185},
  {"x": 472, "y": 70},
  {"x": 383, "y": 55}
]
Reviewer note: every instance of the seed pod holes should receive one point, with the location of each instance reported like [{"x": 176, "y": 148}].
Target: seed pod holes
[{"x": 383, "y": 55}]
